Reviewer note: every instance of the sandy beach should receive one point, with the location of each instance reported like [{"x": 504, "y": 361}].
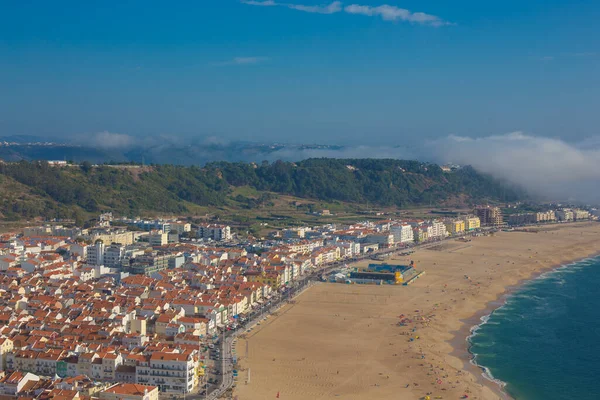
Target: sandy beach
[{"x": 345, "y": 341}]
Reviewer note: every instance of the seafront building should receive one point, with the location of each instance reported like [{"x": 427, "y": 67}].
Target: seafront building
[
  {"x": 403, "y": 233},
  {"x": 579, "y": 215},
  {"x": 565, "y": 215},
  {"x": 436, "y": 230},
  {"x": 455, "y": 227},
  {"x": 128, "y": 314},
  {"x": 170, "y": 372},
  {"x": 383, "y": 273},
  {"x": 489, "y": 216},
  {"x": 472, "y": 223},
  {"x": 572, "y": 214},
  {"x": 532, "y": 218}
]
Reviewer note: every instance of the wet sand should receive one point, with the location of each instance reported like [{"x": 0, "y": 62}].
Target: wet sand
[{"x": 346, "y": 342}]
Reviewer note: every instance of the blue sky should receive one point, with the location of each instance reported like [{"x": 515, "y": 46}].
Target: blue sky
[{"x": 301, "y": 71}]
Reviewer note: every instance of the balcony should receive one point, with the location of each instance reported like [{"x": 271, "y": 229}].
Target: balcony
[
  {"x": 166, "y": 374},
  {"x": 166, "y": 367}
]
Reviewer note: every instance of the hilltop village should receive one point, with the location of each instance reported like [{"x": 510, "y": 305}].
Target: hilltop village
[{"x": 130, "y": 307}]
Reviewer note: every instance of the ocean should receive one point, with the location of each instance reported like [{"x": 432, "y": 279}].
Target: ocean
[{"x": 544, "y": 342}]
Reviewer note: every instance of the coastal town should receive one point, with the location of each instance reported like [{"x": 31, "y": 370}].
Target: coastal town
[{"x": 133, "y": 308}]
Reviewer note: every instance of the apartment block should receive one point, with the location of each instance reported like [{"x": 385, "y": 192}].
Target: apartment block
[
  {"x": 472, "y": 223},
  {"x": 170, "y": 372},
  {"x": 215, "y": 232},
  {"x": 455, "y": 227},
  {"x": 490, "y": 216}
]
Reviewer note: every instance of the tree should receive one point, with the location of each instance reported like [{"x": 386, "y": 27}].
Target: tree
[{"x": 86, "y": 167}]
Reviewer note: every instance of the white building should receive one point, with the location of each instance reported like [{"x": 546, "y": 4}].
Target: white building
[
  {"x": 402, "y": 233},
  {"x": 384, "y": 239},
  {"x": 181, "y": 227},
  {"x": 95, "y": 253},
  {"x": 306, "y": 246},
  {"x": 436, "y": 230},
  {"x": 113, "y": 255},
  {"x": 80, "y": 249},
  {"x": 171, "y": 372},
  {"x": 348, "y": 249},
  {"x": 14, "y": 382},
  {"x": 158, "y": 239},
  {"x": 215, "y": 232},
  {"x": 295, "y": 233},
  {"x": 579, "y": 215}
]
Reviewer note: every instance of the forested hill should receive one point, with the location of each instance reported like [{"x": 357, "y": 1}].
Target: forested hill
[{"x": 29, "y": 189}]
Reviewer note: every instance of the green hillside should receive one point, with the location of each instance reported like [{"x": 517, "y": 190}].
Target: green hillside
[{"x": 30, "y": 189}]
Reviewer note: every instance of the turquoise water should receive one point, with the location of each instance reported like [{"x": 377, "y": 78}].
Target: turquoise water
[{"x": 544, "y": 343}]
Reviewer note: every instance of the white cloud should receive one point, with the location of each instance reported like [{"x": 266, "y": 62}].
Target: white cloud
[
  {"x": 567, "y": 55},
  {"x": 106, "y": 140},
  {"x": 385, "y": 12},
  {"x": 585, "y": 54},
  {"x": 244, "y": 61},
  {"x": 248, "y": 60},
  {"x": 549, "y": 167},
  {"x": 393, "y": 13},
  {"x": 295, "y": 154},
  {"x": 267, "y": 3},
  {"x": 332, "y": 8}
]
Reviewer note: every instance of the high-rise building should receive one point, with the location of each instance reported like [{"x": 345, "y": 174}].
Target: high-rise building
[
  {"x": 158, "y": 239},
  {"x": 113, "y": 255},
  {"x": 95, "y": 253},
  {"x": 489, "y": 215},
  {"x": 565, "y": 215},
  {"x": 402, "y": 233}
]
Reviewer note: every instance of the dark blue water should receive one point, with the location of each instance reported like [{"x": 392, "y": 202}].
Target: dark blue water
[{"x": 545, "y": 342}]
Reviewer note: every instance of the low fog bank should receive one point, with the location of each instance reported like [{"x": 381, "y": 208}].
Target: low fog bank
[{"x": 550, "y": 169}]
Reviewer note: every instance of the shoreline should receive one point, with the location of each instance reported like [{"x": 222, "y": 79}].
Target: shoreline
[
  {"x": 462, "y": 346},
  {"x": 335, "y": 340}
]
